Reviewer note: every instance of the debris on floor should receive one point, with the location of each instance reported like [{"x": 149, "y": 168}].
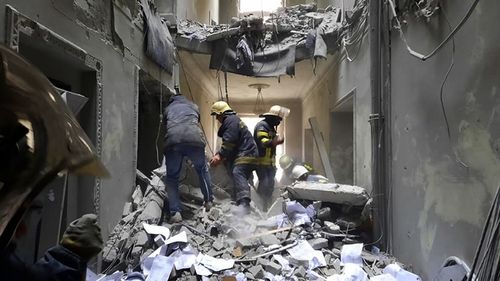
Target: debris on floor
[{"x": 309, "y": 240}]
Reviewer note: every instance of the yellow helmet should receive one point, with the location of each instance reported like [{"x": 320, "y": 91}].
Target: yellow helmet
[
  {"x": 219, "y": 107},
  {"x": 286, "y": 161}
]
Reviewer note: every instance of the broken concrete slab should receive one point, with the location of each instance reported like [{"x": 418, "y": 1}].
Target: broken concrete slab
[
  {"x": 318, "y": 243},
  {"x": 329, "y": 192},
  {"x": 273, "y": 268},
  {"x": 268, "y": 240}
]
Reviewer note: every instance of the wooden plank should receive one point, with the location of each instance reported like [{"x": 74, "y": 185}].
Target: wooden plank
[{"x": 320, "y": 144}]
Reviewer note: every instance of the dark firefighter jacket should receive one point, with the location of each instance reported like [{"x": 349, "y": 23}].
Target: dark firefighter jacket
[
  {"x": 57, "y": 264},
  {"x": 238, "y": 145},
  {"x": 181, "y": 119},
  {"x": 264, "y": 134}
]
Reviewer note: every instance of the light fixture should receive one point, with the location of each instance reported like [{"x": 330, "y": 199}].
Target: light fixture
[{"x": 259, "y": 107}]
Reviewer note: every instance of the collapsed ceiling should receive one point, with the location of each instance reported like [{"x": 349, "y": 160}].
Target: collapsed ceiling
[{"x": 260, "y": 50}]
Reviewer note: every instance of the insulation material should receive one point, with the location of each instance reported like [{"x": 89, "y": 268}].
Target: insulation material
[
  {"x": 272, "y": 61},
  {"x": 159, "y": 45}
]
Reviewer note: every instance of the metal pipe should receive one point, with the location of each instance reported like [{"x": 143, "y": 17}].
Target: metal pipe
[{"x": 376, "y": 118}]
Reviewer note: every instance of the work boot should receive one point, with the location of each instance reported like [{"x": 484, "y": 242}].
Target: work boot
[
  {"x": 175, "y": 218},
  {"x": 208, "y": 205},
  {"x": 244, "y": 206}
]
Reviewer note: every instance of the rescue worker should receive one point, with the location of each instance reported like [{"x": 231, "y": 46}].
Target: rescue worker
[
  {"x": 40, "y": 138},
  {"x": 266, "y": 138},
  {"x": 184, "y": 138},
  {"x": 299, "y": 171},
  {"x": 238, "y": 151}
]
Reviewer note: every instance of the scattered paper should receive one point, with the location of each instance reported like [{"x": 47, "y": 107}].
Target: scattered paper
[
  {"x": 285, "y": 264},
  {"x": 181, "y": 237},
  {"x": 300, "y": 219},
  {"x": 161, "y": 268},
  {"x": 351, "y": 272},
  {"x": 184, "y": 258},
  {"x": 117, "y": 276},
  {"x": 383, "y": 277},
  {"x": 156, "y": 230},
  {"x": 400, "y": 274},
  {"x": 294, "y": 207},
  {"x": 304, "y": 252},
  {"x": 147, "y": 263},
  {"x": 201, "y": 270},
  {"x": 311, "y": 275},
  {"x": 90, "y": 276},
  {"x": 214, "y": 264},
  {"x": 351, "y": 254}
]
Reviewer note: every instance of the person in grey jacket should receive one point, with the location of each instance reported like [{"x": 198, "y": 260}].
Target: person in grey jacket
[{"x": 184, "y": 138}]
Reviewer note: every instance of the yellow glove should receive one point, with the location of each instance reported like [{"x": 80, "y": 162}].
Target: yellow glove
[{"x": 83, "y": 237}]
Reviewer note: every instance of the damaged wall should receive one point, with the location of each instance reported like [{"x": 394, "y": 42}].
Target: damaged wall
[
  {"x": 440, "y": 204},
  {"x": 119, "y": 83},
  {"x": 198, "y": 10}
]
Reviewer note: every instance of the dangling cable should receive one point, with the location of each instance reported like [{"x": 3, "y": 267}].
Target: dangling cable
[{"x": 160, "y": 123}]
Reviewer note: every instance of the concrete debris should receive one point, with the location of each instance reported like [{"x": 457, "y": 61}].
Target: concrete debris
[
  {"x": 329, "y": 192},
  {"x": 285, "y": 28},
  {"x": 222, "y": 244}
]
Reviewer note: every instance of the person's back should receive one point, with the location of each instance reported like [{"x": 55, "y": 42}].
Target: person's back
[
  {"x": 184, "y": 138},
  {"x": 181, "y": 119},
  {"x": 239, "y": 137}
]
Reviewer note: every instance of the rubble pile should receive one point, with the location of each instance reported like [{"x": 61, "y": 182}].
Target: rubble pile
[{"x": 309, "y": 240}]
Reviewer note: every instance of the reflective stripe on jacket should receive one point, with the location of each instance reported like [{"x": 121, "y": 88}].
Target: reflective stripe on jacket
[{"x": 264, "y": 135}]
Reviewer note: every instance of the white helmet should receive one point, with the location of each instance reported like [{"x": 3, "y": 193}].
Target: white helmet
[
  {"x": 299, "y": 171},
  {"x": 278, "y": 111}
]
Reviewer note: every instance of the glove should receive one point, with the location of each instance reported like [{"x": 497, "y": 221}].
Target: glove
[
  {"x": 216, "y": 160},
  {"x": 83, "y": 237},
  {"x": 277, "y": 140}
]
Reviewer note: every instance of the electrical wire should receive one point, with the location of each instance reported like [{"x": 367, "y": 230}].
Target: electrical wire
[
  {"x": 441, "y": 45},
  {"x": 441, "y": 94},
  {"x": 193, "y": 99},
  {"x": 488, "y": 246},
  {"x": 160, "y": 123}
]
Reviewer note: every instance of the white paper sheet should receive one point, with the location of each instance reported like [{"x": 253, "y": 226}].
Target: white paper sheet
[
  {"x": 156, "y": 230},
  {"x": 181, "y": 237},
  {"x": 383, "y": 277},
  {"x": 90, "y": 276},
  {"x": 148, "y": 261},
  {"x": 304, "y": 252},
  {"x": 214, "y": 264},
  {"x": 161, "y": 268},
  {"x": 184, "y": 258},
  {"x": 400, "y": 274},
  {"x": 201, "y": 270},
  {"x": 285, "y": 264},
  {"x": 351, "y": 254},
  {"x": 294, "y": 207},
  {"x": 351, "y": 272},
  {"x": 116, "y": 276}
]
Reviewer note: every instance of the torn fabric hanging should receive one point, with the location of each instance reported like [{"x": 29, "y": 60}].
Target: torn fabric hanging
[
  {"x": 158, "y": 43},
  {"x": 273, "y": 61}
]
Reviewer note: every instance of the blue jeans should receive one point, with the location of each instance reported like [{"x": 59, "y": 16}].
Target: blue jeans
[
  {"x": 240, "y": 173},
  {"x": 173, "y": 159},
  {"x": 266, "y": 176},
  {"x": 265, "y": 189}
]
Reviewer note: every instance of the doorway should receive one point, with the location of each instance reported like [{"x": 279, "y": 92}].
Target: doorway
[{"x": 342, "y": 139}]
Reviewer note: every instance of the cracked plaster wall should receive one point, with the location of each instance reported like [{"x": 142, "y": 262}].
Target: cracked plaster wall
[{"x": 440, "y": 204}]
